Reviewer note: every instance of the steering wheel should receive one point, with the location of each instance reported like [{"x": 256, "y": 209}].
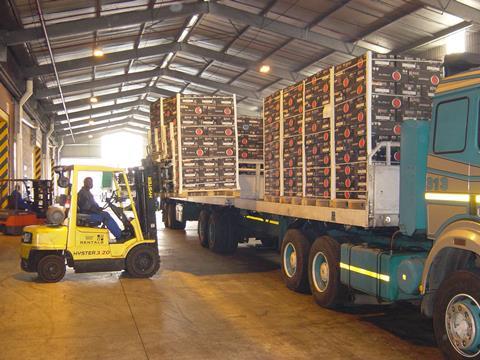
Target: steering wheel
[{"x": 109, "y": 200}]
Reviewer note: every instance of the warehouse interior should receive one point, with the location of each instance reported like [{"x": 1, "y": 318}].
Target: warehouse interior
[{"x": 87, "y": 87}]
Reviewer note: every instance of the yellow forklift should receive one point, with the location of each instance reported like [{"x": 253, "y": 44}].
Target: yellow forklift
[{"x": 71, "y": 238}]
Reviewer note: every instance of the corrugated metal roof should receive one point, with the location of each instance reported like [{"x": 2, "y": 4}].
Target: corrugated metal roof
[{"x": 361, "y": 22}]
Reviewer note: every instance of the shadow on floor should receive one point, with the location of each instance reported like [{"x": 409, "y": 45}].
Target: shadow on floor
[{"x": 400, "y": 319}]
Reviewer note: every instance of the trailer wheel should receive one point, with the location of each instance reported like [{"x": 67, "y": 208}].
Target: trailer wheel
[
  {"x": 142, "y": 261},
  {"x": 324, "y": 272},
  {"x": 202, "y": 228},
  {"x": 223, "y": 234},
  {"x": 456, "y": 316},
  {"x": 172, "y": 222},
  {"x": 295, "y": 249},
  {"x": 51, "y": 268}
]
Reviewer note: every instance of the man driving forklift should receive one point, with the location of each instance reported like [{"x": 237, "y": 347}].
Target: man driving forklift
[{"x": 87, "y": 205}]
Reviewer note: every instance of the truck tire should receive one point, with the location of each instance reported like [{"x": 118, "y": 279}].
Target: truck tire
[
  {"x": 51, "y": 268},
  {"x": 142, "y": 261},
  {"x": 295, "y": 249},
  {"x": 324, "y": 272},
  {"x": 172, "y": 221},
  {"x": 456, "y": 316},
  {"x": 223, "y": 234},
  {"x": 202, "y": 228}
]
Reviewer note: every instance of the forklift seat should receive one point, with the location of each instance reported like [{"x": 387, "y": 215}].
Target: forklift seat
[{"x": 84, "y": 220}]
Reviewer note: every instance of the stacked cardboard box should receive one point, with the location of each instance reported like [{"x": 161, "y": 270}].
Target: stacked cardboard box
[
  {"x": 155, "y": 136},
  {"x": 293, "y": 140},
  {"x": 348, "y": 111},
  {"x": 250, "y": 138},
  {"x": 271, "y": 115},
  {"x": 351, "y": 128},
  {"x": 401, "y": 88},
  {"x": 317, "y": 135},
  {"x": 207, "y": 154}
]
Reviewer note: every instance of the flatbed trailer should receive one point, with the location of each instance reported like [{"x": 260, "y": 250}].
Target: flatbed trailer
[{"x": 416, "y": 238}]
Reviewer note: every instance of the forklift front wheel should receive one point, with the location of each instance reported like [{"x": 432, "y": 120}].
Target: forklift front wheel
[
  {"x": 51, "y": 268},
  {"x": 143, "y": 261}
]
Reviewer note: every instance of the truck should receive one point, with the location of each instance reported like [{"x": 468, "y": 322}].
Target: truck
[{"x": 417, "y": 239}]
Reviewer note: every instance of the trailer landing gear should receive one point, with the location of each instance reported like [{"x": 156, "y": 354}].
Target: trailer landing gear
[{"x": 202, "y": 229}]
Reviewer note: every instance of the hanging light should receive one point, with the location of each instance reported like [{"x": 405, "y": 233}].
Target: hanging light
[
  {"x": 93, "y": 100},
  {"x": 265, "y": 68},
  {"x": 97, "y": 52}
]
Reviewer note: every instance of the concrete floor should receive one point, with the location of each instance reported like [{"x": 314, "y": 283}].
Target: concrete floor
[{"x": 199, "y": 306}]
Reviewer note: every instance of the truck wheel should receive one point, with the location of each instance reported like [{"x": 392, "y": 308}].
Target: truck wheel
[
  {"x": 51, "y": 268},
  {"x": 324, "y": 272},
  {"x": 456, "y": 316},
  {"x": 142, "y": 261},
  {"x": 172, "y": 221},
  {"x": 203, "y": 227},
  {"x": 295, "y": 248},
  {"x": 223, "y": 235}
]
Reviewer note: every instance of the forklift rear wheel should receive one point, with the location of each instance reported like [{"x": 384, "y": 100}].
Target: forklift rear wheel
[
  {"x": 143, "y": 261},
  {"x": 295, "y": 248},
  {"x": 324, "y": 272},
  {"x": 202, "y": 229},
  {"x": 172, "y": 222},
  {"x": 223, "y": 234},
  {"x": 456, "y": 316},
  {"x": 51, "y": 268}
]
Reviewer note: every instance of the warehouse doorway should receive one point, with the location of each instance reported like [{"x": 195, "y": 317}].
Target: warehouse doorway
[{"x": 123, "y": 149}]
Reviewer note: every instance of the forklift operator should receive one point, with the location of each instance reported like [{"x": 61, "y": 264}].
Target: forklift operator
[
  {"x": 16, "y": 201},
  {"x": 87, "y": 205}
]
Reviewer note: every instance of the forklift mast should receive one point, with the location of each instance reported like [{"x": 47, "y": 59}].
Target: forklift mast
[{"x": 142, "y": 183}]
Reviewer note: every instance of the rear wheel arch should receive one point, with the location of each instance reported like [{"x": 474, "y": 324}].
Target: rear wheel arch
[{"x": 456, "y": 248}]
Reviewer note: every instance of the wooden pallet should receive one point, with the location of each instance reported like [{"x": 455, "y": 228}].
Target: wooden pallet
[
  {"x": 293, "y": 200},
  {"x": 271, "y": 198},
  {"x": 316, "y": 202},
  {"x": 225, "y": 193},
  {"x": 348, "y": 204}
]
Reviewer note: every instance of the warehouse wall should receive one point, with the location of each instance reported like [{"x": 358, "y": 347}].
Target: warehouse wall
[{"x": 27, "y": 151}]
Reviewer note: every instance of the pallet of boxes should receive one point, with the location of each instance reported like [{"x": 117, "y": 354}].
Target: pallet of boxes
[
  {"x": 199, "y": 142},
  {"x": 250, "y": 156},
  {"x": 324, "y": 134}
]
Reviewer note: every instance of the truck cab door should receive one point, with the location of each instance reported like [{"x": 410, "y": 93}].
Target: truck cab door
[{"x": 453, "y": 163}]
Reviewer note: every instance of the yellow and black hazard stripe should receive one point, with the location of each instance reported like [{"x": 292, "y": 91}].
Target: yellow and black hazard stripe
[
  {"x": 3, "y": 162},
  {"x": 37, "y": 162},
  {"x": 52, "y": 165}
]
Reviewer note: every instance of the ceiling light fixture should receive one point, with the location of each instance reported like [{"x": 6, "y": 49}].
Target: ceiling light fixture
[
  {"x": 93, "y": 100},
  {"x": 90, "y": 136},
  {"x": 91, "y": 122},
  {"x": 97, "y": 52},
  {"x": 265, "y": 68}
]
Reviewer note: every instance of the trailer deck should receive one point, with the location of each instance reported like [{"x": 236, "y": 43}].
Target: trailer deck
[{"x": 346, "y": 216}]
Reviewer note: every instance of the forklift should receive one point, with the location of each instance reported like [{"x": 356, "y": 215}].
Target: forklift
[
  {"x": 70, "y": 238},
  {"x": 38, "y": 199}
]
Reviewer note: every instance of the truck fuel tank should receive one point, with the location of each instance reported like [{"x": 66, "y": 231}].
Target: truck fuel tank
[{"x": 379, "y": 272}]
